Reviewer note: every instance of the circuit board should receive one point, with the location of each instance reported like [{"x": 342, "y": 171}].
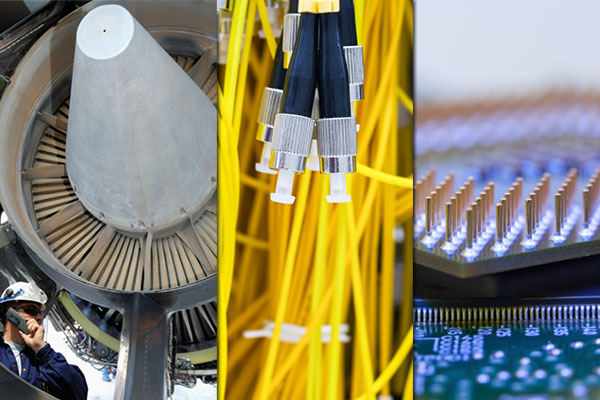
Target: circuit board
[
  {"x": 547, "y": 206},
  {"x": 559, "y": 359}
]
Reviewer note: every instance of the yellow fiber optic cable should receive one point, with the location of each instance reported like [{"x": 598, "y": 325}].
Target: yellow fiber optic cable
[
  {"x": 245, "y": 59},
  {"x": 406, "y": 101},
  {"x": 316, "y": 265},
  {"x": 387, "y": 374},
  {"x": 359, "y": 9},
  {"x": 406, "y": 183},
  {"x": 255, "y": 183},
  {"x": 357, "y": 289},
  {"x": 407, "y": 393},
  {"x": 315, "y": 351},
  {"x": 295, "y": 354},
  {"x": 264, "y": 19},
  {"x": 285, "y": 285},
  {"x": 333, "y": 357}
]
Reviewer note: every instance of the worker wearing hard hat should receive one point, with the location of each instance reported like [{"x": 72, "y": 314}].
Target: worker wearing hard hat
[{"x": 27, "y": 354}]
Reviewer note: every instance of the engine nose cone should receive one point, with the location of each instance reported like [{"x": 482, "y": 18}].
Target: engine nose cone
[{"x": 141, "y": 143}]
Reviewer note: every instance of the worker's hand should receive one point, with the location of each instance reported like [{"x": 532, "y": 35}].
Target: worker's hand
[{"x": 35, "y": 338}]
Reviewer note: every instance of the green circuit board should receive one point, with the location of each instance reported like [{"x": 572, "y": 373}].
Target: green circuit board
[{"x": 507, "y": 361}]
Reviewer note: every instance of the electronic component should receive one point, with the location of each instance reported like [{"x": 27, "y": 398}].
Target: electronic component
[
  {"x": 513, "y": 349},
  {"x": 544, "y": 359},
  {"x": 17, "y": 320},
  {"x": 507, "y": 216},
  {"x": 510, "y": 189}
]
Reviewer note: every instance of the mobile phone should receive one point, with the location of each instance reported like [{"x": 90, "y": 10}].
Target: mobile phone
[{"x": 17, "y": 320}]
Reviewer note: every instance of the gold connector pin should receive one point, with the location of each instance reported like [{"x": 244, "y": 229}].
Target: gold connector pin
[
  {"x": 557, "y": 213},
  {"x": 428, "y": 213},
  {"x": 478, "y": 216},
  {"x": 454, "y": 216},
  {"x": 529, "y": 216},
  {"x": 448, "y": 221},
  {"x": 503, "y": 216},
  {"x": 469, "y": 227},
  {"x": 587, "y": 206},
  {"x": 499, "y": 219}
]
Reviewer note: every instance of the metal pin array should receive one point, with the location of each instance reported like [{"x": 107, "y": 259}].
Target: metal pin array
[
  {"x": 538, "y": 200},
  {"x": 477, "y": 216},
  {"x": 435, "y": 205},
  {"x": 464, "y": 217},
  {"x": 563, "y": 200},
  {"x": 475, "y": 224},
  {"x": 435, "y": 202},
  {"x": 464, "y": 197},
  {"x": 515, "y": 314},
  {"x": 423, "y": 187},
  {"x": 445, "y": 210},
  {"x": 591, "y": 195},
  {"x": 507, "y": 211}
]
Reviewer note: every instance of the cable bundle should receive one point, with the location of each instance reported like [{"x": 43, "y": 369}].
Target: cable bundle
[
  {"x": 316, "y": 264},
  {"x": 319, "y": 50}
]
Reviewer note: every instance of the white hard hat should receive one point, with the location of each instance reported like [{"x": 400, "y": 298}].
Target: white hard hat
[{"x": 24, "y": 291}]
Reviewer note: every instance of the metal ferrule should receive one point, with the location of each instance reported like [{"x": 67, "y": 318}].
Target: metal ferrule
[
  {"x": 271, "y": 104},
  {"x": 291, "y": 24},
  {"x": 336, "y": 139},
  {"x": 356, "y": 71},
  {"x": 265, "y": 134},
  {"x": 292, "y": 162},
  {"x": 338, "y": 165},
  {"x": 292, "y": 138}
]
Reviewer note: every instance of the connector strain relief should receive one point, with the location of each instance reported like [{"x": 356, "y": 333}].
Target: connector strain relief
[
  {"x": 337, "y": 189},
  {"x": 283, "y": 189}
]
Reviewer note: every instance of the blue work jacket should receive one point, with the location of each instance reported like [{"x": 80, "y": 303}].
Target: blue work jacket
[{"x": 47, "y": 370}]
